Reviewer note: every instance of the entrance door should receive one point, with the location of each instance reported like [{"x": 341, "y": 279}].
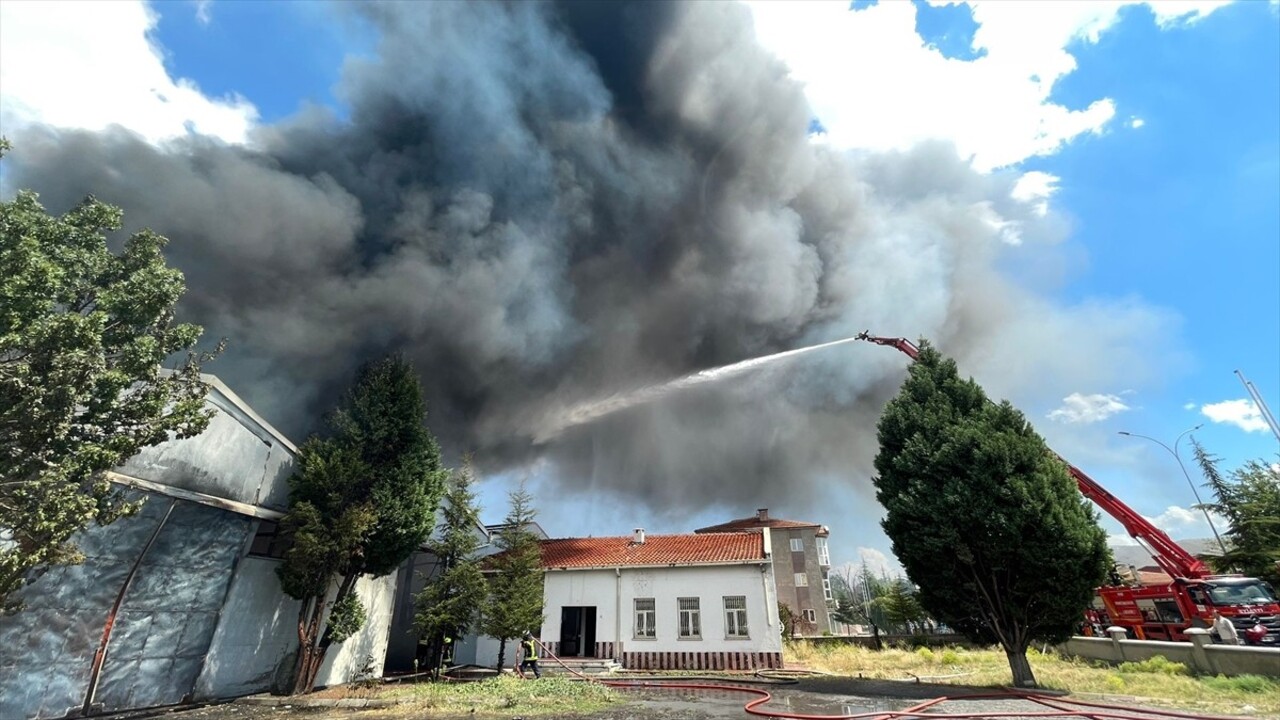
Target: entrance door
[{"x": 577, "y": 631}]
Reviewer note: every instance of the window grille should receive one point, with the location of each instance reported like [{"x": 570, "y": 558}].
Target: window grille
[
  {"x": 690, "y": 618},
  {"x": 735, "y": 616},
  {"x": 645, "y": 616}
]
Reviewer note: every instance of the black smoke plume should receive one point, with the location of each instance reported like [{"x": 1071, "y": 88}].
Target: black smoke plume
[{"x": 540, "y": 204}]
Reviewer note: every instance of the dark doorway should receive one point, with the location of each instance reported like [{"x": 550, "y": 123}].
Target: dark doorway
[{"x": 578, "y": 632}]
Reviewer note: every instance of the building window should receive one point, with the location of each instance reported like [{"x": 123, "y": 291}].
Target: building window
[
  {"x": 269, "y": 542},
  {"x": 645, "y": 615},
  {"x": 810, "y": 615},
  {"x": 824, "y": 555},
  {"x": 690, "y": 618},
  {"x": 735, "y": 616},
  {"x": 797, "y": 545},
  {"x": 802, "y": 580},
  {"x": 826, "y": 589}
]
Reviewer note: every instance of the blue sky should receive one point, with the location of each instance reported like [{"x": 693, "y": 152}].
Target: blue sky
[{"x": 1154, "y": 136}]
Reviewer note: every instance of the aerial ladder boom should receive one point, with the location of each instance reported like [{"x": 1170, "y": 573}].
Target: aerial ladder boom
[{"x": 1170, "y": 556}]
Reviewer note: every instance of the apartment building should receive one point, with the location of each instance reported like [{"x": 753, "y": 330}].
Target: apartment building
[{"x": 801, "y": 565}]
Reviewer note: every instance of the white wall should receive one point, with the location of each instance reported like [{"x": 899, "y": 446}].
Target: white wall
[
  {"x": 600, "y": 588},
  {"x": 345, "y": 660}
]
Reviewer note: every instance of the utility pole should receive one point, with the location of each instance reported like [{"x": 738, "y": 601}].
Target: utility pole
[
  {"x": 1174, "y": 452},
  {"x": 1263, "y": 410}
]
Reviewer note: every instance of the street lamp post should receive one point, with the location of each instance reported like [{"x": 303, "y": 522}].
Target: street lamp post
[{"x": 1174, "y": 452}]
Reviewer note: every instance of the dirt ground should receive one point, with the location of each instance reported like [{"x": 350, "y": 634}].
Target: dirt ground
[{"x": 824, "y": 696}]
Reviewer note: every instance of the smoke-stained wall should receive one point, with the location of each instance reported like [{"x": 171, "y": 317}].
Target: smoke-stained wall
[
  {"x": 543, "y": 204},
  {"x": 186, "y": 613}
]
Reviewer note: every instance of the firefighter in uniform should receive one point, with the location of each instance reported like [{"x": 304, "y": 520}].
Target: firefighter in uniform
[{"x": 529, "y": 655}]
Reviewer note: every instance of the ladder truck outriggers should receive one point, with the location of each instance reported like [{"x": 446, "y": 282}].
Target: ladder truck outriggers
[{"x": 1162, "y": 611}]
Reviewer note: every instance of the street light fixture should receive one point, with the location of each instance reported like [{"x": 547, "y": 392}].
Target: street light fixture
[{"x": 1174, "y": 452}]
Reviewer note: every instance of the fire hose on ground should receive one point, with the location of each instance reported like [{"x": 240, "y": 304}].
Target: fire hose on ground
[{"x": 1057, "y": 707}]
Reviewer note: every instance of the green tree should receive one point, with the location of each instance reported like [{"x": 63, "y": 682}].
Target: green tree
[
  {"x": 362, "y": 500},
  {"x": 901, "y": 607},
  {"x": 515, "y": 583},
  {"x": 987, "y": 522},
  {"x": 860, "y": 599},
  {"x": 83, "y": 334},
  {"x": 1249, "y": 498},
  {"x": 450, "y": 603},
  {"x": 789, "y": 620}
]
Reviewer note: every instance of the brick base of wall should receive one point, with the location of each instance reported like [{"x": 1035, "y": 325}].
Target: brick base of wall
[{"x": 700, "y": 660}]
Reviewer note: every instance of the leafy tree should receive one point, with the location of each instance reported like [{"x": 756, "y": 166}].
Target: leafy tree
[
  {"x": 450, "y": 603},
  {"x": 789, "y": 620},
  {"x": 515, "y": 586},
  {"x": 83, "y": 334},
  {"x": 985, "y": 519},
  {"x": 1249, "y": 498},
  {"x": 363, "y": 499}
]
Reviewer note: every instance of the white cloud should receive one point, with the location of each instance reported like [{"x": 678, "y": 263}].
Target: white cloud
[
  {"x": 90, "y": 65},
  {"x": 1189, "y": 406},
  {"x": 1036, "y": 187},
  {"x": 1181, "y": 522},
  {"x": 1136, "y": 122},
  {"x": 1121, "y": 540},
  {"x": 1009, "y": 231},
  {"x": 1078, "y": 408},
  {"x": 1241, "y": 413},
  {"x": 875, "y": 84},
  {"x": 204, "y": 14},
  {"x": 878, "y": 563}
]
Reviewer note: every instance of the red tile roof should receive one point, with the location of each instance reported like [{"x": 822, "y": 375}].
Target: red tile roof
[{"x": 656, "y": 550}]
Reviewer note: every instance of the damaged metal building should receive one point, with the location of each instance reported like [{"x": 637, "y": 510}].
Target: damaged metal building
[{"x": 179, "y": 602}]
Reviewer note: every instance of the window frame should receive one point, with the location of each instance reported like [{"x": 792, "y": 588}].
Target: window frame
[
  {"x": 651, "y": 614},
  {"x": 801, "y": 579},
  {"x": 736, "y": 625},
  {"x": 810, "y": 616},
  {"x": 797, "y": 545},
  {"x": 824, "y": 552},
  {"x": 694, "y": 624}
]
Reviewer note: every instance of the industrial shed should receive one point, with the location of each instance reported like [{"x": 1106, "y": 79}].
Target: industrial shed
[{"x": 179, "y": 602}]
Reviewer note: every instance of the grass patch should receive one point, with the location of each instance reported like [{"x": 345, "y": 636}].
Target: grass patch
[
  {"x": 1157, "y": 681},
  {"x": 496, "y": 697}
]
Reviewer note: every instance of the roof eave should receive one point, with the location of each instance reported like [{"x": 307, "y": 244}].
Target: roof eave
[{"x": 628, "y": 566}]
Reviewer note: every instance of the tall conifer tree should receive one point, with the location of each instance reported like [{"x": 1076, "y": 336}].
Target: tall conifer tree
[
  {"x": 363, "y": 499},
  {"x": 984, "y": 518},
  {"x": 449, "y": 605},
  {"x": 515, "y": 586}
]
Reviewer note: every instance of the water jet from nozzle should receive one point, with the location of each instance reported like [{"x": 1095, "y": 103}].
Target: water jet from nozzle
[{"x": 596, "y": 409}]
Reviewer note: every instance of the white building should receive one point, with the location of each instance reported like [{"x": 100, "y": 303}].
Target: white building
[{"x": 689, "y": 602}]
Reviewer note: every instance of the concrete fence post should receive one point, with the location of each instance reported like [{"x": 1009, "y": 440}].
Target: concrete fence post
[
  {"x": 1199, "y": 656},
  {"x": 1117, "y": 649}
]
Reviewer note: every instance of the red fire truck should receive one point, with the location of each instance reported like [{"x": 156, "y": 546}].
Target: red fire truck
[{"x": 1162, "y": 611}]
